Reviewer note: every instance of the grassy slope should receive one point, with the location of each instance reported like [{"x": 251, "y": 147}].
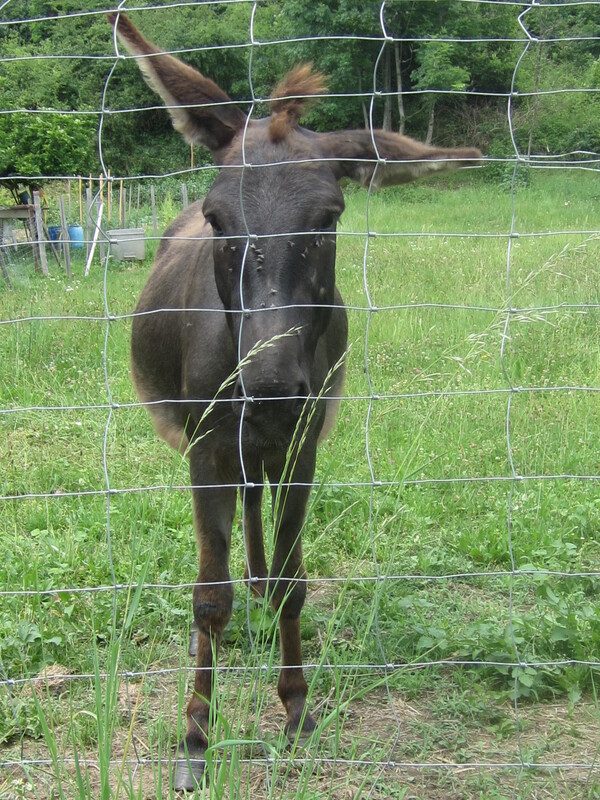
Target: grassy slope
[{"x": 423, "y": 363}]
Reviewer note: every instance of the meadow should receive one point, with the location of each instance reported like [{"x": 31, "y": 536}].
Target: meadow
[{"x": 452, "y": 624}]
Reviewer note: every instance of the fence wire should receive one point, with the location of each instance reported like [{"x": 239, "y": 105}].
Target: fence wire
[{"x": 376, "y": 582}]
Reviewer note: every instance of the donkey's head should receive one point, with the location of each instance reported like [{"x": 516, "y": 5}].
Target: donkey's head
[{"x": 273, "y": 209}]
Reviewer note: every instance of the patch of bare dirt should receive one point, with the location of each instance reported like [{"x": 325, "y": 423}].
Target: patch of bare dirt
[{"x": 374, "y": 745}]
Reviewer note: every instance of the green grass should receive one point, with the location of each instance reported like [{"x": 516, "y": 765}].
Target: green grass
[{"x": 440, "y": 413}]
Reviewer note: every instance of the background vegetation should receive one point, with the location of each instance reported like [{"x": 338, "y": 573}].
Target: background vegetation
[{"x": 451, "y": 91}]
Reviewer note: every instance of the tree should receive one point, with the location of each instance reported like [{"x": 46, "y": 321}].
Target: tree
[
  {"x": 436, "y": 71},
  {"x": 46, "y": 144},
  {"x": 348, "y": 62},
  {"x": 343, "y": 38}
]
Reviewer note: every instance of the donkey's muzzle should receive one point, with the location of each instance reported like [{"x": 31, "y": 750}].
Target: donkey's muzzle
[{"x": 271, "y": 411}]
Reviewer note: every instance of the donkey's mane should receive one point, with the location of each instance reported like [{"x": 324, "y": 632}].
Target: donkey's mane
[{"x": 291, "y": 96}]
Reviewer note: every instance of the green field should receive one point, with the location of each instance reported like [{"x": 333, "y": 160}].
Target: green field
[{"x": 457, "y": 500}]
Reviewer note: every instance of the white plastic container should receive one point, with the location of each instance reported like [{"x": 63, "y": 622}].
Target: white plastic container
[{"x": 127, "y": 243}]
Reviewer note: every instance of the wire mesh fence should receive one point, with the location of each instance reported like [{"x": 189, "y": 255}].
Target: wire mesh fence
[{"x": 451, "y": 624}]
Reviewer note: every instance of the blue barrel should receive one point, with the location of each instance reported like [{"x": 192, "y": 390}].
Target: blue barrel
[
  {"x": 54, "y": 232},
  {"x": 76, "y": 236}
]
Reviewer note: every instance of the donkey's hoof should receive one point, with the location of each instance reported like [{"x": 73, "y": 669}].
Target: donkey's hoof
[
  {"x": 189, "y": 771},
  {"x": 299, "y": 733}
]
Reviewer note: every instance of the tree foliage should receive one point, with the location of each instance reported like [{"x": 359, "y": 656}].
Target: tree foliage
[
  {"x": 441, "y": 69},
  {"x": 47, "y": 144}
]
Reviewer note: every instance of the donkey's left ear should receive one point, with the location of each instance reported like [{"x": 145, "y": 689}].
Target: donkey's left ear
[
  {"x": 392, "y": 159},
  {"x": 201, "y": 111}
]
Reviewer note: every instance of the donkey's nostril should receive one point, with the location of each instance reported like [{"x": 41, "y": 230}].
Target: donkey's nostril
[
  {"x": 299, "y": 399},
  {"x": 253, "y": 408},
  {"x": 270, "y": 404},
  {"x": 239, "y": 400},
  {"x": 303, "y": 390},
  {"x": 297, "y": 406}
]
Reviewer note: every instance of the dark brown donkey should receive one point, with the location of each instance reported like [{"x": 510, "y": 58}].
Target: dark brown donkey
[{"x": 242, "y": 306}]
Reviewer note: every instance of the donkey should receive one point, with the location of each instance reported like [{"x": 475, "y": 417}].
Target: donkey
[{"x": 239, "y": 338}]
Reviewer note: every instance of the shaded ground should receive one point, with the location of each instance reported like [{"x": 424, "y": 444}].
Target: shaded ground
[{"x": 372, "y": 747}]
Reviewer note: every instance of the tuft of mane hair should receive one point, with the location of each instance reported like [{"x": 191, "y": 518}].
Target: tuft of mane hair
[{"x": 291, "y": 96}]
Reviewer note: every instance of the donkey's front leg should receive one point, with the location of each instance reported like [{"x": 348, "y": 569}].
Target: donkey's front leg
[
  {"x": 213, "y": 599},
  {"x": 287, "y": 587},
  {"x": 255, "y": 572}
]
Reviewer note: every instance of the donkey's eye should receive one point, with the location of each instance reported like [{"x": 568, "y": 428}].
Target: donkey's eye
[
  {"x": 329, "y": 222},
  {"x": 212, "y": 221}
]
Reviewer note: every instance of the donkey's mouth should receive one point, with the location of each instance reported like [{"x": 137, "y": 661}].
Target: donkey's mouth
[{"x": 273, "y": 423}]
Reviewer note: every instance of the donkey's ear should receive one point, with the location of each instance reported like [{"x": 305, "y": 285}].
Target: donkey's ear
[
  {"x": 200, "y": 111},
  {"x": 384, "y": 158}
]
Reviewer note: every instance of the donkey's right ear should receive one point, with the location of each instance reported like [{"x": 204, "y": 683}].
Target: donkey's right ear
[
  {"x": 384, "y": 158},
  {"x": 200, "y": 110}
]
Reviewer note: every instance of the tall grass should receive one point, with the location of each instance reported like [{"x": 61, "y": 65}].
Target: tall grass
[{"x": 473, "y": 603}]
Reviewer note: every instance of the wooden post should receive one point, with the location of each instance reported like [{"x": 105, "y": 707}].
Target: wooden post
[
  {"x": 95, "y": 239},
  {"x": 53, "y": 247},
  {"x": 80, "y": 187},
  {"x": 184, "y": 196},
  {"x": 109, "y": 197},
  {"x": 100, "y": 233},
  {"x": 88, "y": 218},
  {"x": 123, "y": 220},
  {"x": 39, "y": 232},
  {"x": 121, "y": 214},
  {"x": 65, "y": 235},
  {"x": 153, "y": 204},
  {"x": 30, "y": 233},
  {"x": 101, "y": 248}
]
